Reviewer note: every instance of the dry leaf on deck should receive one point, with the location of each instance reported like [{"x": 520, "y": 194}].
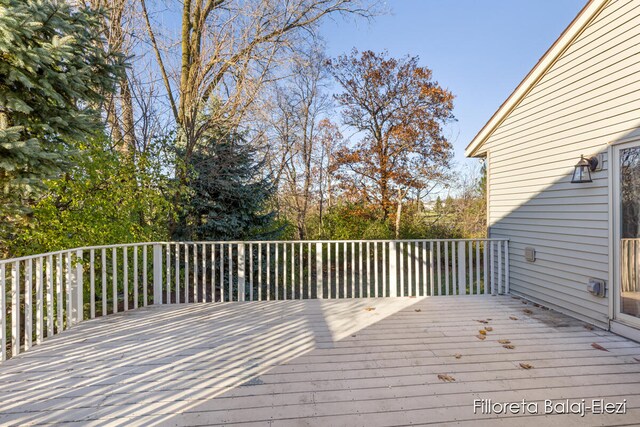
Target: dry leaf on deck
[
  {"x": 504, "y": 341},
  {"x": 369, "y": 309},
  {"x": 509, "y": 346},
  {"x": 446, "y": 378},
  {"x": 588, "y": 327},
  {"x": 636, "y": 359},
  {"x": 488, "y": 328},
  {"x": 526, "y": 366},
  {"x": 598, "y": 347},
  {"x": 482, "y": 332},
  {"x": 527, "y": 311},
  {"x": 417, "y": 310},
  {"x": 513, "y": 318},
  {"x": 482, "y": 321},
  {"x": 481, "y": 337},
  {"x": 457, "y": 356}
]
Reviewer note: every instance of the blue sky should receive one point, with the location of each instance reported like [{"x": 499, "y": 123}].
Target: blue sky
[{"x": 478, "y": 49}]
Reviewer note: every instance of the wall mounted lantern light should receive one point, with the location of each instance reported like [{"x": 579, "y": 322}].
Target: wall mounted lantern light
[{"x": 583, "y": 169}]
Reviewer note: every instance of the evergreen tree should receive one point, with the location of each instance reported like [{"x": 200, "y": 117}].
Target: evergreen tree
[
  {"x": 53, "y": 74},
  {"x": 227, "y": 195}
]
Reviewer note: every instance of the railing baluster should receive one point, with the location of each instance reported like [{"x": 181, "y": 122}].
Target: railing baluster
[
  {"x": 135, "y": 277},
  {"x": 446, "y": 267},
  {"x": 28, "y": 309},
  {"x": 439, "y": 264},
  {"x": 250, "y": 271},
  {"x": 125, "y": 279},
  {"x": 506, "y": 266},
  {"x": 195, "y": 272},
  {"x": 49, "y": 278},
  {"x": 176, "y": 282},
  {"x": 424, "y": 269},
  {"x": 353, "y": 269},
  {"x": 168, "y": 273},
  {"x": 59, "y": 297},
  {"x": 222, "y": 288},
  {"x": 301, "y": 269},
  {"x": 3, "y": 314},
  {"x": 114, "y": 274},
  {"x": 336, "y": 264},
  {"x": 213, "y": 272},
  {"x": 103, "y": 283},
  {"x": 360, "y": 270},
  {"x": 268, "y": 271},
  {"x": 79, "y": 287},
  {"x": 478, "y": 267},
  {"x": 368, "y": 261},
  {"x": 410, "y": 270},
  {"x": 309, "y": 270},
  {"x": 230, "y": 250},
  {"x": 393, "y": 269},
  {"x": 384, "y": 269},
  {"x": 186, "y": 273},
  {"x": 39, "y": 301},
  {"x": 15, "y": 309},
  {"x": 241, "y": 272},
  {"x": 492, "y": 267},
  {"x": 471, "y": 267},
  {"x": 431, "y": 272},
  {"x": 376, "y": 265},
  {"x": 92, "y": 284},
  {"x": 145, "y": 281},
  {"x": 203, "y": 287},
  {"x": 485, "y": 265},
  {"x": 500, "y": 290},
  {"x": 319, "y": 273},
  {"x": 259, "y": 271}
]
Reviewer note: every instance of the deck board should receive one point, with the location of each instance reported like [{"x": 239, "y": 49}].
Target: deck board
[{"x": 319, "y": 362}]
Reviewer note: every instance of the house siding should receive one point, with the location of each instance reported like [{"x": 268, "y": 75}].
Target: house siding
[{"x": 589, "y": 98}]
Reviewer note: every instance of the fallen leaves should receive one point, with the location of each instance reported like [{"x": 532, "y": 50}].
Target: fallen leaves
[
  {"x": 526, "y": 366},
  {"x": 457, "y": 355},
  {"x": 446, "y": 378},
  {"x": 417, "y": 310},
  {"x": 527, "y": 311},
  {"x": 482, "y": 332},
  {"x": 509, "y": 346},
  {"x": 588, "y": 327},
  {"x": 504, "y": 341},
  {"x": 488, "y": 328},
  {"x": 513, "y": 318},
  {"x": 598, "y": 347},
  {"x": 369, "y": 309},
  {"x": 482, "y": 321},
  {"x": 481, "y": 337},
  {"x": 636, "y": 359}
]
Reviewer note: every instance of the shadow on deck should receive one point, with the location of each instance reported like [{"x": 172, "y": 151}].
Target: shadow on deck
[{"x": 320, "y": 362}]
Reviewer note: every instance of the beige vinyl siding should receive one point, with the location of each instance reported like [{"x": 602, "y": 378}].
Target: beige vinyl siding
[{"x": 589, "y": 98}]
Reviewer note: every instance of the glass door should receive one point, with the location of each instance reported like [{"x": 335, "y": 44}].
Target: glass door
[{"x": 627, "y": 232}]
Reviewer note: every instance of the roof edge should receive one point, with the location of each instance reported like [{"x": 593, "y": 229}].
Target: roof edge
[{"x": 575, "y": 28}]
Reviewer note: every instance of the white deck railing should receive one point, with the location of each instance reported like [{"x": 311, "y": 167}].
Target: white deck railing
[{"x": 42, "y": 295}]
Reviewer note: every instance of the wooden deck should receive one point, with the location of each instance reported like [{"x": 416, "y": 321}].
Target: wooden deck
[{"x": 369, "y": 362}]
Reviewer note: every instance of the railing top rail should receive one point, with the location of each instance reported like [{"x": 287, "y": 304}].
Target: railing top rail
[{"x": 232, "y": 242}]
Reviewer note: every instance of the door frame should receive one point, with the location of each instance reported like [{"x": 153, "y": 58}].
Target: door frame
[{"x": 614, "y": 220}]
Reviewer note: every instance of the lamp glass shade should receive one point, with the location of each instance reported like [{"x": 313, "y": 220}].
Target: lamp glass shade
[{"x": 582, "y": 172}]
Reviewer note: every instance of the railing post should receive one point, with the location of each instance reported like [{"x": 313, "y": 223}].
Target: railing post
[
  {"x": 506, "y": 266},
  {"x": 393, "y": 270},
  {"x": 319, "y": 287},
  {"x": 462, "y": 267},
  {"x": 157, "y": 274},
  {"x": 241, "y": 274}
]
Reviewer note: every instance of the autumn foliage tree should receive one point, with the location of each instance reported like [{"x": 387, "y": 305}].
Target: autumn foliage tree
[{"x": 399, "y": 113}]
